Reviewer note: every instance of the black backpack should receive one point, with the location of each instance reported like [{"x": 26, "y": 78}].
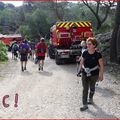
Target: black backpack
[
  {"x": 15, "y": 48},
  {"x": 23, "y": 51},
  {"x": 42, "y": 48}
]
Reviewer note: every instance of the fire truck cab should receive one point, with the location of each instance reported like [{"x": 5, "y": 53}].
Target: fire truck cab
[{"x": 65, "y": 39}]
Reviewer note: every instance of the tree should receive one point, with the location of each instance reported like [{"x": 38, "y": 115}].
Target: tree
[
  {"x": 2, "y": 5},
  {"x": 59, "y": 9},
  {"x": 28, "y": 6},
  {"x": 9, "y": 6},
  {"x": 95, "y": 8},
  {"x": 35, "y": 24},
  {"x": 115, "y": 41},
  {"x": 7, "y": 20}
]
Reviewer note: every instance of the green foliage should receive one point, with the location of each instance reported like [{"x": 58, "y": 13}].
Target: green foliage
[
  {"x": 34, "y": 18},
  {"x": 1, "y": 29},
  {"x": 103, "y": 29},
  {"x": 25, "y": 32},
  {"x": 2, "y": 5},
  {"x": 8, "y": 20},
  {"x": 108, "y": 25},
  {"x": 3, "y": 52},
  {"x": 35, "y": 24}
]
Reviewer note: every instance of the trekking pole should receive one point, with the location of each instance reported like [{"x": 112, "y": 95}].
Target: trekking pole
[
  {"x": 97, "y": 82},
  {"x": 78, "y": 66}
]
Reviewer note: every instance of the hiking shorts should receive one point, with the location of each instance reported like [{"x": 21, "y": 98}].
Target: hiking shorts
[
  {"x": 23, "y": 58},
  {"x": 15, "y": 53},
  {"x": 41, "y": 57}
]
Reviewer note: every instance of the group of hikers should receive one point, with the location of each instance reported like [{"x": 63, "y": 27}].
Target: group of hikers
[
  {"x": 26, "y": 50},
  {"x": 90, "y": 68}
]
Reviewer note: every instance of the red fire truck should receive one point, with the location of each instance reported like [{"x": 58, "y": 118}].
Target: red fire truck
[
  {"x": 8, "y": 40},
  {"x": 65, "y": 39}
]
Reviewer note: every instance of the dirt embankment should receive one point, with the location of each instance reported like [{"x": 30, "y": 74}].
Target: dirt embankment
[{"x": 104, "y": 44}]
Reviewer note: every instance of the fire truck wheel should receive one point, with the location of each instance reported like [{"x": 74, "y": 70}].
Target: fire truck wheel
[
  {"x": 57, "y": 60},
  {"x": 50, "y": 54}
]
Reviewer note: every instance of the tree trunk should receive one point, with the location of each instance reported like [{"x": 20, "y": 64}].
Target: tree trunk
[
  {"x": 115, "y": 41},
  {"x": 113, "y": 49},
  {"x": 118, "y": 45},
  {"x": 98, "y": 24}
]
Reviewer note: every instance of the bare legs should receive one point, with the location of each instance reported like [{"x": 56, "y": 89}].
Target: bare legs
[
  {"x": 41, "y": 64},
  {"x": 23, "y": 65}
]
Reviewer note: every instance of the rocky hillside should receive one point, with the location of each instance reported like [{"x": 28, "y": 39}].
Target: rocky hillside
[{"x": 104, "y": 45}]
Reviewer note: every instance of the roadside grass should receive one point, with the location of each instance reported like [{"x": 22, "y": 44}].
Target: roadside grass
[{"x": 3, "y": 62}]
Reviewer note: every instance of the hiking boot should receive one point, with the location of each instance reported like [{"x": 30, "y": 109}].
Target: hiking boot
[
  {"x": 78, "y": 75},
  {"x": 42, "y": 68},
  {"x": 85, "y": 107},
  {"x": 90, "y": 101},
  {"x": 22, "y": 69}
]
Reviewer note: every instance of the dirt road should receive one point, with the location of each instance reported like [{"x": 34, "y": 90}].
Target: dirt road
[{"x": 54, "y": 93}]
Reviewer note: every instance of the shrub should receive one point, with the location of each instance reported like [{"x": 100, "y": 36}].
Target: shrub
[{"x": 3, "y": 52}]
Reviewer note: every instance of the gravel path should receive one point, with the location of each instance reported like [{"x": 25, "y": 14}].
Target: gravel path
[{"x": 54, "y": 93}]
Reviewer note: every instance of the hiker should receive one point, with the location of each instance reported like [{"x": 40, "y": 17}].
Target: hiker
[
  {"x": 29, "y": 53},
  {"x": 41, "y": 49},
  {"x": 32, "y": 46},
  {"x": 15, "y": 49},
  {"x": 91, "y": 66},
  {"x": 84, "y": 48},
  {"x": 24, "y": 49}
]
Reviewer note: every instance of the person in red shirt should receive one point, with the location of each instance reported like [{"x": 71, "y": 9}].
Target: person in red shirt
[{"x": 41, "y": 49}]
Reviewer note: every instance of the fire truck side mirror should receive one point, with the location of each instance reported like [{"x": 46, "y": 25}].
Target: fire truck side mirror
[{"x": 75, "y": 26}]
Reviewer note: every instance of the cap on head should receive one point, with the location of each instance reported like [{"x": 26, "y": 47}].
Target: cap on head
[{"x": 42, "y": 39}]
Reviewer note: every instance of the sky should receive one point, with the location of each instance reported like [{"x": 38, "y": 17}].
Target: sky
[
  {"x": 19, "y": 3},
  {"x": 15, "y": 3}
]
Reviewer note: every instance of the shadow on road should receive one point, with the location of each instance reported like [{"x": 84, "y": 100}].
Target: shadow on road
[
  {"x": 46, "y": 73},
  {"x": 100, "y": 113},
  {"x": 26, "y": 73},
  {"x": 105, "y": 92},
  {"x": 71, "y": 68}
]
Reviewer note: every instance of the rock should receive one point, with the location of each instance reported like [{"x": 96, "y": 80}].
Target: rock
[
  {"x": 115, "y": 82},
  {"x": 103, "y": 38}
]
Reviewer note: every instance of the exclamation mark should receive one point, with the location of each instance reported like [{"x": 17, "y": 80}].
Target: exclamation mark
[{"x": 16, "y": 100}]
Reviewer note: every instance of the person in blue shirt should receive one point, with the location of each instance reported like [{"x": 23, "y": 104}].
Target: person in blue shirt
[{"x": 24, "y": 50}]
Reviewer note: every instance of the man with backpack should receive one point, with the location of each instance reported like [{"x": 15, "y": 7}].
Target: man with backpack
[
  {"x": 24, "y": 50},
  {"x": 41, "y": 49}
]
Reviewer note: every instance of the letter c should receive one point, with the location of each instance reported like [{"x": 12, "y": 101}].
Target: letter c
[{"x": 3, "y": 101}]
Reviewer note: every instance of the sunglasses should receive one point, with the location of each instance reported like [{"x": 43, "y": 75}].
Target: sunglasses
[{"x": 89, "y": 43}]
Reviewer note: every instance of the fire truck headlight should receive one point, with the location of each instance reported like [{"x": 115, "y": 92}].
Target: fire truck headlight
[{"x": 67, "y": 28}]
